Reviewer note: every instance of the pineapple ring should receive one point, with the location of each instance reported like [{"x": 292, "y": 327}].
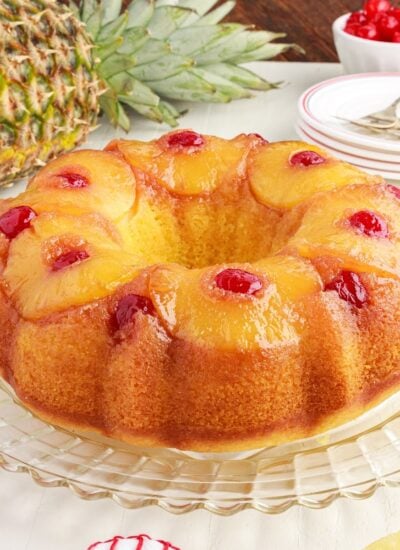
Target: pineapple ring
[
  {"x": 191, "y": 172},
  {"x": 244, "y": 323},
  {"x": 323, "y": 229},
  {"x": 33, "y": 252},
  {"x": 106, "y": 182},
  {"x": 278, "y": 184},
  {"x": 110, "y": 187}
]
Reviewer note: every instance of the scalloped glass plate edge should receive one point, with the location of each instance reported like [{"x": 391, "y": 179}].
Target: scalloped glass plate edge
[{"x": 351, "y": 461}]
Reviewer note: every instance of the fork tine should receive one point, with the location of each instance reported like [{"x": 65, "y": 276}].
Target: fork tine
[
  {"x": 367, "y": 124},
  {"x": 384, "y": 121},
  {"x": 389, "y": 113}
]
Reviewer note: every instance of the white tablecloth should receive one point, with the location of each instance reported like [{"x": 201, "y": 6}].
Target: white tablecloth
[{"x": 34, "y": 518}]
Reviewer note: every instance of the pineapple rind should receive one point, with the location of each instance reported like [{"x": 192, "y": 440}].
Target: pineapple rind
[
  {"x": 44, "y": 110},
  {"x": 15, "y": 162}
]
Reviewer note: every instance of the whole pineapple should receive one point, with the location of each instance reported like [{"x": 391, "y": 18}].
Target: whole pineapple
[{"x": 60, "y": 64}]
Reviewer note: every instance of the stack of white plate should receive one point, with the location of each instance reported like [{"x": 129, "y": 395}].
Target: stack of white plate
[{"x": 325, "y": 108}]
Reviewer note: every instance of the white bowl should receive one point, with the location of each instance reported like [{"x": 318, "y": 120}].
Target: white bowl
[{"x": 360, "y": 55}]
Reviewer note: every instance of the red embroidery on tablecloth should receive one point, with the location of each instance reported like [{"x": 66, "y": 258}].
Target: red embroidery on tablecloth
[{"x": 140, "y": 539}]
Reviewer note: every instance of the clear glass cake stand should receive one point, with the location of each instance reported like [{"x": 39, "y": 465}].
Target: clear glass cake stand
[{"x": 351, "y": 461}]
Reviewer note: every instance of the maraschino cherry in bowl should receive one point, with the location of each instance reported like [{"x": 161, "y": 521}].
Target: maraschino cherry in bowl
[{"x": 368, "y": 40}]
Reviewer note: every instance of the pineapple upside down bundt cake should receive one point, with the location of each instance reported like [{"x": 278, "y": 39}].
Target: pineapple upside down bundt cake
[{"x": 201, "y": 293}]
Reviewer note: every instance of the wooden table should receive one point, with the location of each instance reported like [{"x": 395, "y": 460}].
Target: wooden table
[{"x": 306, "y": 22}]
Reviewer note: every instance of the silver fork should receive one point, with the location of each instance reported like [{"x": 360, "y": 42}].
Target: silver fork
[
  {"x": 391, "y": 112},
  {"x": 386, "y": 119}
]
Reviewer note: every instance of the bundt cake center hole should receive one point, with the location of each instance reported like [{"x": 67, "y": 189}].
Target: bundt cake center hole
[
  {"x": 198, "y": 254},
  {"x": 202, "y": 234}
]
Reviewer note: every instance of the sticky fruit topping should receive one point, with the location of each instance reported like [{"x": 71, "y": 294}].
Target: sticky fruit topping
[
  {"x": 185, "y": 139},
  {"x": 369, "y": 223},
  {"x": 16, "y": 220},
  {"x": 349, "y": 287},
  {"x": 306, "y": 158},
  {"x": 69, "y": 258},
  {"x": 73, "y": 180},
  {"x": 128, "y": 307},
  {"x": 395, "y": 190},
  {"x": 238, "y": 282},
  {"x": 259, "y": 137}
]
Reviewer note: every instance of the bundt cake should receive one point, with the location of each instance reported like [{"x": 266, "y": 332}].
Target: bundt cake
[{"x": 201, "y": 293}]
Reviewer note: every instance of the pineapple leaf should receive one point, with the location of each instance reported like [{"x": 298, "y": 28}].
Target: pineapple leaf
[
  {"x": 75, "y": 9},
  {"x": 188, "y": 40},
  {"x": 217, "y": 15},
  {"x": 166, "y": 20},
  {"x": 265, "y": 52},
  {"x": 176, "y": 49},
  {"x": 198, "y": 8},
  {"x": 113, "y": 28},
  {"x": 88, "y": 8},
  {"x": 172, "y": 109},
  {"x": 93, "y": 24},
  {"x": 112, "y": 9},
  {"x": 169, "y": 113},
  {"x": 201, "y": 8},
  {"x": 164, "y": 67},
  {"x": 240, "y": 43},
  {"x": 114, "y": 64},
  {"x": 133, "y": 39},
  {"x": 241, "y": 76},
  {"x": 151, "y": 51},
  {"x": 153, "y": 113},
  {"x": 109, "y": 48},
  {"x": 130, "y": 90},
  {"x": 186, "y": 86},
  {"x": 122, "y": 120},
  {"x": 252, "y": 40},
  {"x": 140, "y": 12},
  {"x": 223, "y": 85},
  {"x": 114, "y": 111},
  {"x": 221, "y": 49},
  {"x": 130, "y": 101}
]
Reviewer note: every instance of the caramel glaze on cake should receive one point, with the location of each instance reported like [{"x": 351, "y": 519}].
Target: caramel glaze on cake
[{"x": 201, "y": 293}]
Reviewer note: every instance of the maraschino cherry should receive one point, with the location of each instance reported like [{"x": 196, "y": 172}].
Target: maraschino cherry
[
  {"x": 73, "y": 180},
  {"x": 306, "y": 158},
  {"x": 69, "y": 258},
  {"x": 373, "y": 7},
  {"x": 185, "y": 140},
  {"x": 258, "y": 136},
  {"x": 395, "y": 190},
  {"x": 128, "y": 307},
  {"x": 369, "y": 223},
  {"x": 378, "y": 20},
  {"x": 350, "y": 288},
  {"x": 238, "y": 281},
  {"x": 16, "y": 220}
]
